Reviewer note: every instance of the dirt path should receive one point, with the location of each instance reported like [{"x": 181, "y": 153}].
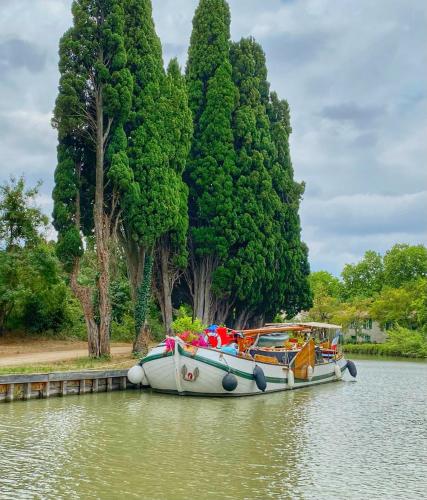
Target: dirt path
[{"x": 48, "y": 351}]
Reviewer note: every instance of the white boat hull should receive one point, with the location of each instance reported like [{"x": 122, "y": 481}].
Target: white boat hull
[{"x": 200, "y": 371}]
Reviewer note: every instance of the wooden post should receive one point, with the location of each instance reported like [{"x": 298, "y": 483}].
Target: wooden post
[
  {"x": 82, "y": 387},
  {"x": 109, "y": 384},
  {"x": 27, "y": 390},
  {"x": 95, "y": 385},
  {"x": 9, "y": 394},
  {"x": 63, "y": 388},
  {"x": 123, "y": 383},
  {"x": 46, "y": 390}
]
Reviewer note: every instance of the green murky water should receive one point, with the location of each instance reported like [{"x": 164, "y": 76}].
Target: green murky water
[{"x": 345, "y": 440}]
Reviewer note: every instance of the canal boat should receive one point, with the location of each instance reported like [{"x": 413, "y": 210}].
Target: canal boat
[{"x": 247, "y": 362}]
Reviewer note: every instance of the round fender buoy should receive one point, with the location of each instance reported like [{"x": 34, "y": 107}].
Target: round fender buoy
[
  {"x": 259, "y": 377},
  {"x": 309, "y": 372},
  {"x": 338, "y": 373},
  {"x": 136, "y": 374},
  {"x": 352, "y": 370},
  {"x": 291, "y": 379},
  {"x": 229, "y": 382}
]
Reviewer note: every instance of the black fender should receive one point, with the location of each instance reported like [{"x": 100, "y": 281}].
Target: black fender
[
  {"x": 351, "y": 367},
  {"x": 229, "y": 382},
  {"x": 260, "y": 378}
]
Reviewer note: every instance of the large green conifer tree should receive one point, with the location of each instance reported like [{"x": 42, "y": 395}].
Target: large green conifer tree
[
  {"x": 212, "y": 96},
  {"x": 241, "y": 279},
  {"x": 267, "y": 268},
  {"x": 158, "y": 131},
  {"x": 171, "y": 249},
  {"x": 91, "y": 107},
  {"x": 289, "y": 289}
]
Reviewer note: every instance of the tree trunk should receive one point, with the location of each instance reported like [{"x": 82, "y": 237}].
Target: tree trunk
[
  {"x": 167, "y": 311},
  {"x": 242, "y": 319},
  {"x": 141, "y": 343},
  {"x": 166, "y": 274},
  {"x": 139, "y": 266},
  {"x": 135, "y": 258},
  {"x": 2, "y": 319},
  {"x": 142, "y": 333},
  {"x": 202, "y": 271},
  {"x": 223, "y": 308},
  {"x": 257, "y": 321},
  {"x": 5, "y": 312},
  {"x": 102, "y": 235},
  {"x": 84, "y": 296}
]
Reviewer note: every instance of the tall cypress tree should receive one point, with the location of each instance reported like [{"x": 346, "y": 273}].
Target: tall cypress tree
[
  {"x": 208, "y": 174},
  {"x": 267, "y": 267},
  {"x": 171, "y": 248},
  {"x": 290, "y": 288},
  {"x": 243, "y": 276},
  {"x": 150, "y": 183},
  {"x": 91, "y": 107}
]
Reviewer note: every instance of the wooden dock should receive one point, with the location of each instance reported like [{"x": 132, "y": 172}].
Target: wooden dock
[{"x": 45, "y": 385}]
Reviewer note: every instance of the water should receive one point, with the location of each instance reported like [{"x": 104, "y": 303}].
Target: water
[{"x": 346, "y": 440}]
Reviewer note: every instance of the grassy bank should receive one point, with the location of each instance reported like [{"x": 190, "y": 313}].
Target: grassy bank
[
  {"x": 384, "y": 350},
  {"x": 119, "y": 363},
  {"x": 400, "y": 342}
]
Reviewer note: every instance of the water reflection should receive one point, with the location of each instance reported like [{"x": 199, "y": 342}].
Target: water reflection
[{"x": 364, "y": 439}]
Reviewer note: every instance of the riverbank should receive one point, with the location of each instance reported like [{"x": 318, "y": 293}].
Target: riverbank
[
  {"x": 64, "y": 383},
  {"x": 19, "y": 354},
  {"x": 384, "y": 350},
  {"x": 83, "y": 363}
]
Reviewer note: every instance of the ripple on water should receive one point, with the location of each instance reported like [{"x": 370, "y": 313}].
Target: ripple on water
[{"x": 356, "y": 440}]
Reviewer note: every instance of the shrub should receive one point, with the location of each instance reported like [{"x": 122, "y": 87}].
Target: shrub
[
  {"x": 46, "y": 309},
  {"x": 123, "y": 330},
  {"x": 411, "y": 343},
  {"x": 185, "y": 323}
]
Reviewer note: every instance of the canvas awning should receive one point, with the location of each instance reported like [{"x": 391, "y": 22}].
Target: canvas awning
[{"x": 306, "y": 324}]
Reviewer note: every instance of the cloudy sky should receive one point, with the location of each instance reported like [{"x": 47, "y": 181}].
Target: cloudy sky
[{"x": 353, "y": 71}]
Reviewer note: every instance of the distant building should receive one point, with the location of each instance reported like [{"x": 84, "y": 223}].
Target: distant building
[{"x": 370, "y": 332}]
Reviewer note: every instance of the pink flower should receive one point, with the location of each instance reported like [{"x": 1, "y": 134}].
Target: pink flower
[{"x": 170, "y": 344}]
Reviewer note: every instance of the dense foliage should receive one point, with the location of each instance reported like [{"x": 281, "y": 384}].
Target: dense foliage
[
  {"x": 247, "y": 261},
  {"x": 209, "y": 170},
  {"x": 244, "y": 277},
  {"x": 33, "y": 294},
  {"x": 389, "y": 289},
  {"x": 149, "y": 178}
]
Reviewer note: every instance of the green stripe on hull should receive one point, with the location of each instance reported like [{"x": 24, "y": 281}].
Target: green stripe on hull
[{"x": 153, "y": 357}]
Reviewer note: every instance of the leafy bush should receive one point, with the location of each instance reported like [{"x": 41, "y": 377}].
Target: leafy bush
[
  {"x": 75, "y": 326},
  {"x": 123, "y": 330},
  {"x": 185, "y": 323},
  {"x": 46, "y": 309},
  {"x": 121, "y": 303},
  {"x": 410, "y": 343}
]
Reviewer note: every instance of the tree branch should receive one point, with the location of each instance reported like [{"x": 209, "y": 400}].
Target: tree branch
[{"x": 107, "y": 131}]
